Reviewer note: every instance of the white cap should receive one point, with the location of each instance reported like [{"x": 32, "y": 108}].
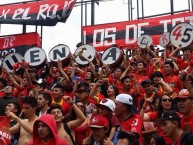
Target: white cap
[
  {"x": 125, "y": 98},
  {"x": 108, "y": 103}
]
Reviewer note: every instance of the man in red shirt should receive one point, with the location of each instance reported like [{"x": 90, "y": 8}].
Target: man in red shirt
[
  {"x": 185, "y": 62},
  {"x": 170, "y": 124},
  {"x": 128, "y": 121},
  {"x": 170, "y": 78},
  {"x": 185, "y": 104}
]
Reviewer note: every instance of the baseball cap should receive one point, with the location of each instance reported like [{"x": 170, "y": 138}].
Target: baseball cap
[
  {"x": 83, "y": 88},
  {"x": 108, "y": 103},
  {"x": 99, "y": 122},
  {"x": 183, "y": 94},
  {"x": 147, "y": 81},
  {"x": 124, "y": 98},
  {"x": 169, "y": 115}
]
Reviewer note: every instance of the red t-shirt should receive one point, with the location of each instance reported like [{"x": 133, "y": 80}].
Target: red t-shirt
[
  {"x": 1, "y": 94},
  {"x": 133, "y": 124},
  {"x": 174, "y": 82},
  {"x": 81, "y": 133},
  {"x": 153, "y": 116},
  {"x": 22, "y": 92},
  {"x": 182, "y": 64},
  {"x": 187, "y": 123},
  {"x": 65, "y": 106}
]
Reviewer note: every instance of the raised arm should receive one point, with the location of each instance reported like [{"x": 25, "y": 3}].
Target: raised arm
[
  {"x": 63, "y": 74},
  {"x": 21, "y": 122},
  {"x": 80, "y": 117}
]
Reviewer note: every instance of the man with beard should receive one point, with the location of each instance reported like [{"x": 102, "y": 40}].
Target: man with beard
[
  {"x": 44, "y": 102},
  {"x": 25, "y": 127},
  {"x": 185, "y": 104}
]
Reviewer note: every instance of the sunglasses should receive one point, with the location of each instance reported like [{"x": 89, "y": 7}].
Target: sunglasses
[{"x": 165, "y": 100}]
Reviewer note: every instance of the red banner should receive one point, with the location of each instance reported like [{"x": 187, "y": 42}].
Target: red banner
[
  {"x": 19, "y": 43},
  {"x": 5, "y": 137},
  {"x": 126, "y": 33},
  {"x": 44, "y": 12}
]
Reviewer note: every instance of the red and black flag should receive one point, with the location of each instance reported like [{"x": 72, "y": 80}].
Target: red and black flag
[
  {"x": 18, "y": 43},
  {"x": 127, "y": 33},
  {"x": 42, "y": 12}
]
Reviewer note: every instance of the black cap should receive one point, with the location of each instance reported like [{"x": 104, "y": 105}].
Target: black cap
[
  {"x": 147, "y": 81},
  {"x": 169, "y": 115},
  {"x": 83, "y": 88}
]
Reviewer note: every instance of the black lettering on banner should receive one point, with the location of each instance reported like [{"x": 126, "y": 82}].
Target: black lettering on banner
[
  {"x": 8, "y": 64},
  {"x": 143, "y": 41},
  {"x": 188, "y": 36},
  {"x": 34, "y": 56},
  {"x": 57, "y": 52},
  {"x": 15, "y": 59},
  {"x": 112, "y": 53}
]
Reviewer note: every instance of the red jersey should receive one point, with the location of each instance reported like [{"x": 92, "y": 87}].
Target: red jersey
[
  {"x": 187, "y": 123},
  {"x": 153, "y": 116},
  {"x": 65, "y": 106},
  {"x": 21, "y": 93},
  {"x": 174, "y": 82},
  {"x": 182, "y": 64},
  {"x": 133, "y": 124}
]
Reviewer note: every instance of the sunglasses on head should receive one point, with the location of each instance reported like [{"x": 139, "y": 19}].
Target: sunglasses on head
[{"x": 165, "y": 100}]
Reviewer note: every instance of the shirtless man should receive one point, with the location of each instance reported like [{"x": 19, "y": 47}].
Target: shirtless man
[
  {"x": 56, "y": 111},
  {"x": 25, "y": 126}
]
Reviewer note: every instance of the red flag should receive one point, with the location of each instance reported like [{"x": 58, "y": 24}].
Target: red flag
[{"x": 5, "y": 137}]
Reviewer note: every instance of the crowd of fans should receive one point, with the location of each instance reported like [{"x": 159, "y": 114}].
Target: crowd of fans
[{"x": 147, "y": 100}]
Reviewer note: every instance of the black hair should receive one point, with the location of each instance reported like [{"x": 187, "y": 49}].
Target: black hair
[
  {"x": 46, "y": 96},
  {"x": 170, "y": 63},
  {"x": 156, "y": 73},
  {"x": 160, "y": 107},
  {"x": 186, "y": 48},
  {"x": 121, "y": 68},
  {"x": 31, "y": 101},
  {"x": 59, "y": 86},
  {"x": 154, "y": 100},
  {"x": 16, "y": 106},
  {"x": 159, "y": 140},
  {"x": 131, "y": 138},
  {"x": 115, "y": 88},
  {"x": 3, "y": 81},
  {"x": 92, "y": 75},
  {"x": 144, "y": 64},
  {"x": 55, "y": 106},
  {"x": 124, "y": 78}
]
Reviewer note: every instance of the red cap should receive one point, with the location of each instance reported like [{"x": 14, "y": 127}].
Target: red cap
[
  {"x": 99, "y": 122},
  {"x": 184, "y": 93}
]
